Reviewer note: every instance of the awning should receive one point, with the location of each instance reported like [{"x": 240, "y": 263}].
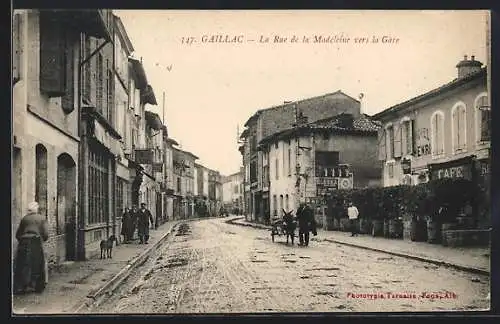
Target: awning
[{"x": 106, "y": 139}]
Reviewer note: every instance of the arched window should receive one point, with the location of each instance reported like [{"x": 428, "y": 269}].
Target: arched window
[
  {"x": 459, "y": 127},
  {"x": 280, "y": 211},
  {"x": 483, "y": 118},
  {"x": 437, "y": 133},
  {"x": 41, "y": 178},
  {"x": 287, "y": 203}
]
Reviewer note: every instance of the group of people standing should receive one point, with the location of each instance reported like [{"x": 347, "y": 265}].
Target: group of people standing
[{"x": 140, "y": 219}]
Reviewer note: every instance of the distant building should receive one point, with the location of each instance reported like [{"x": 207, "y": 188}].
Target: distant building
[
  {"x": 266, "y": 122},
  {"x": 233, "y": 189},
  {"x": 305, "y": 163}
]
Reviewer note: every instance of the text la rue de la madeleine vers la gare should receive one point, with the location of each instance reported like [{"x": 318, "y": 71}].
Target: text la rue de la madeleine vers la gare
[{"x": 341, "y": 38}]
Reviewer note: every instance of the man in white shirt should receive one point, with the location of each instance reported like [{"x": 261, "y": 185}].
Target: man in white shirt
[{"x": 353, "y": 213}]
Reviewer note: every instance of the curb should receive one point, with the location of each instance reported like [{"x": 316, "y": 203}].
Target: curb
[
  {"x": 403, "y": 255},
  {"x": 111, "y": 285}
]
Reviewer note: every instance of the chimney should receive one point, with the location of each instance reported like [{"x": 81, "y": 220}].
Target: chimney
[
  {"x": 346, "y": 120},
  {"x": 361, "y": 103},
  {"x": 466, "y": 66}
]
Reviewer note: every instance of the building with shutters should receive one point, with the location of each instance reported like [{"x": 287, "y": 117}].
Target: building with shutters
[
  {"x": 307, "y": 162},
  {"x": 442, "y": 133},
  {"x": 46, "y": 132},
  {"x": 232, "y": 192},
  {"x": 170, "y": 179},
  {"x": 183, "y": 172},
  {"x": 266, "y": 122}
]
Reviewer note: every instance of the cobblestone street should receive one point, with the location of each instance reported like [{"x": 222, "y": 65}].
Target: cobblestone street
[{"x": 211, "y": 266}]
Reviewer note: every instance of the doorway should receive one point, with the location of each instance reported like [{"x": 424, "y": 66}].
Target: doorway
[{"x": 66, "y": 204}]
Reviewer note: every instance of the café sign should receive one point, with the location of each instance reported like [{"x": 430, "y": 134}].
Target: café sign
[{"x": 449, "y": 170}]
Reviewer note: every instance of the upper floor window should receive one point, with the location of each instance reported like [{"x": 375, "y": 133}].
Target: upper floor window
[
  {"x": 459, "y": 127},
  {"x": 287, "y": 203},
  {"x": 389, "y": 141},
  {"x": 289, "y": 162},
  {"x": 407, "y": 137},
  {"x": 437, "y": 133},
  {"x": 483, "y": 118}
]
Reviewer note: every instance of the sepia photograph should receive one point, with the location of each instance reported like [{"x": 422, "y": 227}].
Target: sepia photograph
[{"x": 250, "y": 161}]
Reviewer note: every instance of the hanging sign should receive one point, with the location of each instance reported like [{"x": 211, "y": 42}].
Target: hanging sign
[{"x": 144, "y": 156}]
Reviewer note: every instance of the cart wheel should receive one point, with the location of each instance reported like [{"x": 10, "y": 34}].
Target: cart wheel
[{"x": 272, "y": 237}]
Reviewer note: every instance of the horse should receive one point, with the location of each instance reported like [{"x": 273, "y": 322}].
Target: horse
[{"x": 289, "y": 225}]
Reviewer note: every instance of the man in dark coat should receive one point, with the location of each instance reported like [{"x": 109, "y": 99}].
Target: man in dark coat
[
  {"x": 305, "y": 217},
  {"x": 144, "y": 217},
  {"x": 126, "y": 223}
]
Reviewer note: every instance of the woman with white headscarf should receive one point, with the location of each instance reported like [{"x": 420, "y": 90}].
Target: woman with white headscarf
[{"x": 30, "y": 266}]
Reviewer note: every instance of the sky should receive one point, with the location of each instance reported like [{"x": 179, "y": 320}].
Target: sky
[{"x": 212, "y": 88}]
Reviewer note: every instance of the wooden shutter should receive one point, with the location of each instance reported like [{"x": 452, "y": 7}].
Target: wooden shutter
[
  {"x": 485, "y": 125},
  {"x": 463, "y": 126},
  {"x": 16, "y": 48},
  {"x": 412, "y": 146},
  {"x": 382, "y": 156},
  {"x": 455, "y": 120},
  {"x": 52, "y": 56},
  {"x": 397, "y": 140},
  {"x": 67, "y": 101}
]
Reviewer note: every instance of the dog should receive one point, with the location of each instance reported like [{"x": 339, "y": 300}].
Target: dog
[{"x": 107, "y": 247}]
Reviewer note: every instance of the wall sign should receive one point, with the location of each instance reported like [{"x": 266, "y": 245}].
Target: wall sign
[
  {"x": 454, "y": 169},
  {"x": 406, "y": 165},
  {"x": 423, "y": 142}
]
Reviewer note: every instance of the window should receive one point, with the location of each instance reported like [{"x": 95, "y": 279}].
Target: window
[
  {"x": 98, "y": 181},
  {"x": 287, "y": 203},
  {"x": 277, "y": 169},
  {"x": 390, "y": 141},
  {"x": 275, "y": 206},
  {"x": 265, "y": 176},
  {"x": 41, "y": 178},
  {"x": 437, "y": 133},
  {"x": 235, "y": 189},
  {"x": 325, "y": 161},
  {"x": 406, "y": 137},
  {"x": 110, "y": 96},
  {"x": 289, "y": 162},
  {"x": 178, "y": 184},
  {"x": 100, "y": 86},
  {"x": 483, "y": 118},
  {"x": 280, "y": 211},
  {"x": 52, "y": 55},
  {"x": 459, "y": 127},
  {"x": 253, "y": 172}
]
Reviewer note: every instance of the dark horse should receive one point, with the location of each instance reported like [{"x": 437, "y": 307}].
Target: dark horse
[{"x": 289, "y": 225}]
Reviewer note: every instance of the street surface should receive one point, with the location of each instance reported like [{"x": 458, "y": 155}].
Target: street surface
[{"x": 210, "y": 266}]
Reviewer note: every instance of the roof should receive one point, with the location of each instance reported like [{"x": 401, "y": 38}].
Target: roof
[
  {"x": 301, "y": 104},
  {"x": 432, "y": 93},
  {"x": 123, "y": 34},
  {"x": 171, "y": 141},
  {"x": 332, "y": 125},
  {"x": 186, "y": 152},
  {"x": 141, "y": 80},
  {"x": 153, "y": 120},
  {"x": 148, "y": 96}
]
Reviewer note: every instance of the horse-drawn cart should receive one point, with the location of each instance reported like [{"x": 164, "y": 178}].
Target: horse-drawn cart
[{"x": 284, "y": 226}]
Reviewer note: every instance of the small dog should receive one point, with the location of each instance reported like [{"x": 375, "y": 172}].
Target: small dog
[{"x": 107, "y": 247}]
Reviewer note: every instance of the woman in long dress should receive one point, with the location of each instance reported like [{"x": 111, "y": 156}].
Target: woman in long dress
[{"x": 30, "y": 272}]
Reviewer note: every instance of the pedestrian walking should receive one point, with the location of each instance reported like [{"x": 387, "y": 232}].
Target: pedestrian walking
[
  {"x": 144, "y": 220},
  {"x": 126, "y": 224},
  {"x": 133, "y": 221},
  {"x": 307, "y": 224},
  {"x": 353, "y": 213},
  {"x": 31, "y": 269}
]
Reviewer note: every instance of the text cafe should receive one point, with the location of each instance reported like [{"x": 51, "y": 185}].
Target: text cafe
[{"x": 461, "y": 168}]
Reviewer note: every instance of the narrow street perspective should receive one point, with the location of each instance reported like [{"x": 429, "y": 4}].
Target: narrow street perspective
[
  {"x": 211, "y": 266},
  {"x": 201, "y": 162}
]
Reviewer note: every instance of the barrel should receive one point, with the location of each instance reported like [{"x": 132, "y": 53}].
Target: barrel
[
  {"x": 386, "y": 228},
  {"x": 395, "y": 228},
  {"x": 377, "y": 227},
  {"x": 365, "y": 226},
  {"x": 433, "y": 232}
]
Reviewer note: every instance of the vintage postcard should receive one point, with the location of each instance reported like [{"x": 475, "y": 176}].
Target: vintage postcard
[{"x": 194, "y": 162}]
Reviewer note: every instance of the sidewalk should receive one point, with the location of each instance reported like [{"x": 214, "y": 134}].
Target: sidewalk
[
  {"x": 473, "y": 259},
  {"x": 70, "y": 285}
]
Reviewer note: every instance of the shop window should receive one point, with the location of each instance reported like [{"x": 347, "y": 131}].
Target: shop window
[{"x": 98, "y": 190}]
